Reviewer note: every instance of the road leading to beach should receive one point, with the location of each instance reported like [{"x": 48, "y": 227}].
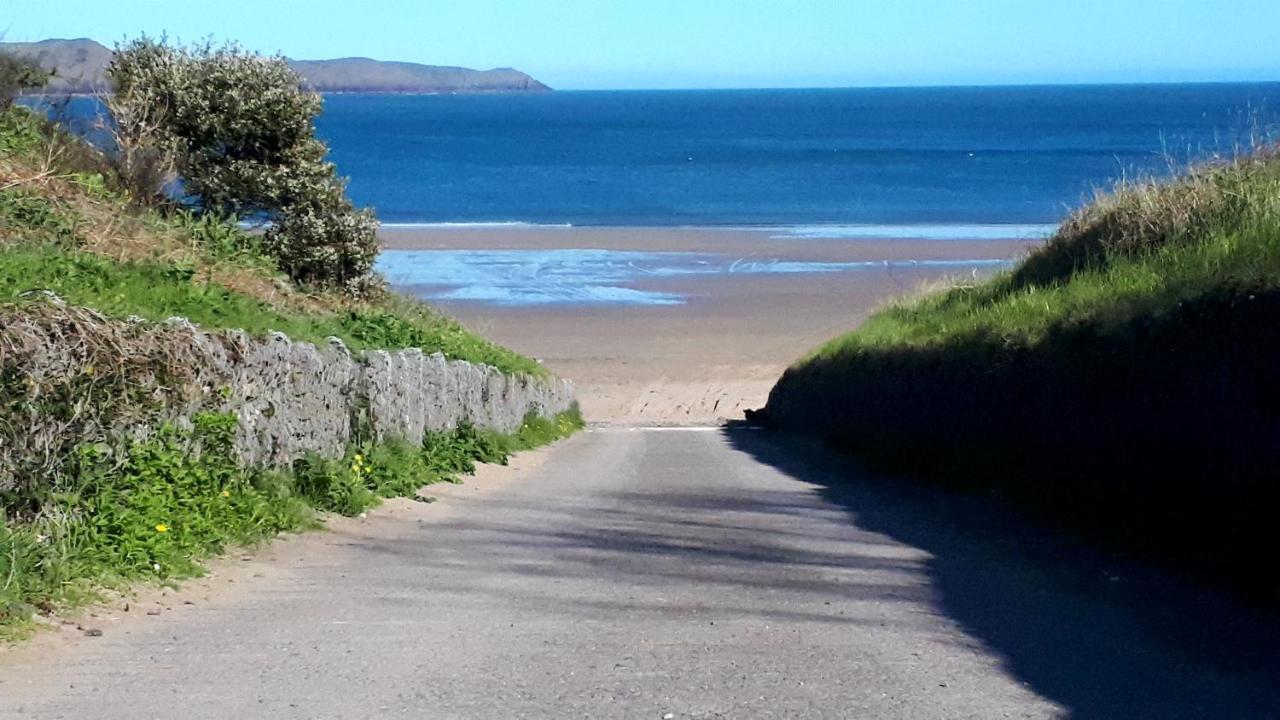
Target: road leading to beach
[{"x": 695, "y": 573}]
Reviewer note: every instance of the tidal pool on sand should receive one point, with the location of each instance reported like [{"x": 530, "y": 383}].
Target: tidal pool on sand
[{"x": 590, "y": 277}]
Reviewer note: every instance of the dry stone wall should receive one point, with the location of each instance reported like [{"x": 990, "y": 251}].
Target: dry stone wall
[
  {"x": 71, "y": 376},
  {"x": 293, "y": 398}
]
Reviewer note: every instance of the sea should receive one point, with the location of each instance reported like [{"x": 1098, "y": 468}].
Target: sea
[
  {"x": 974, "y": 161},
  {"x": 834, "y": 165}
]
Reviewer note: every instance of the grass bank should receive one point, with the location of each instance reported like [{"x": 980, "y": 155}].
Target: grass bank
[
  {"x": 65, "y": 229},
  {"x": 151, "y": 508},
  {"x": 1120, "y": 382}
]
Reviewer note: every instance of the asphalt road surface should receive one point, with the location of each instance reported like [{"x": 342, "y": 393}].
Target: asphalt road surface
[{"x": 697, "y": 573}]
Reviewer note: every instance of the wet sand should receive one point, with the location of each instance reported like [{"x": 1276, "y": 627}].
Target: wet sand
[{"x": 719, "y": 353}]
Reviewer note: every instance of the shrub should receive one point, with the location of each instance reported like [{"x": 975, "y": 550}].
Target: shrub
[
  {"x": 143, "y": 161},
  {"x": 326, "y": 242},
  {"x": 241, "y": 132},
  {"x": 16, "y": 75}
]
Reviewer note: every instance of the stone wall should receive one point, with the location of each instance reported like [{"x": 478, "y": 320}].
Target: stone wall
[
  {"x": 71, "y": 377},
  {"x": 293, "y": 398}
]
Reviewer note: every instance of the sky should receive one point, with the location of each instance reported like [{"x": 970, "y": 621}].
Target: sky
[{"x": 584, "y": 44}]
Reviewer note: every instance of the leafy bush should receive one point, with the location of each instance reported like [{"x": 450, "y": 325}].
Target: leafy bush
[
  {"x": 16, "y": 75},
  {"x": 449, "y": 452},
  {"x": 222, "y": 238},
  {"x": 241, "y": 131},
  {"x": 326, "y": 241},
  {"x": 143, "y": 160},
  {"x": 330, "y": 484}
]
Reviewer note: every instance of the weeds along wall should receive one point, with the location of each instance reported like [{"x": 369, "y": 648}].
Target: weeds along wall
[{"x": 69, "y": 376}]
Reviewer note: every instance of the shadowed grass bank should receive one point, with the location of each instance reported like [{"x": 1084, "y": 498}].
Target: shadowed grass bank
[{"x": 1120, "y": 383}]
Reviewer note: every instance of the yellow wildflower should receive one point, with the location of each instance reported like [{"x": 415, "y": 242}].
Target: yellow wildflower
[
  {"x": 162, "y": 528},
  {"x": 226, "y": 493}
]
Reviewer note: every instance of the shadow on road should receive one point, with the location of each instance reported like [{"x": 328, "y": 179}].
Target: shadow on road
[{"x": 1102, "y": 637}]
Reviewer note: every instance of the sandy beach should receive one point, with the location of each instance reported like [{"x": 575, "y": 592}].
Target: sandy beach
[{"x": 719, "y": 352}]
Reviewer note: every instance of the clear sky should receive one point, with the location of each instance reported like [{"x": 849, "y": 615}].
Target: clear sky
[{"x": 722, "y": 43}]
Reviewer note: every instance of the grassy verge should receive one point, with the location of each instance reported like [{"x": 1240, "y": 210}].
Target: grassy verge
[
  {"x": 155, "y": 291},
  {"x": 1120, "y": 382},
  {"x": 63, "y": 228},
  {"x": 151, "y": 512}
]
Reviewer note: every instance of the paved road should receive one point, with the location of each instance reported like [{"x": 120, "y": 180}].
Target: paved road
[{"x": 681, "y": 574}]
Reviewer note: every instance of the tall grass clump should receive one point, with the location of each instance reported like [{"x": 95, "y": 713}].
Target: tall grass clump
[{"x": 1120, "y": 382}]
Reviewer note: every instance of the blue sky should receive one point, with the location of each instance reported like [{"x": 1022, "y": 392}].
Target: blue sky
[{"x": 723, "y": 43}]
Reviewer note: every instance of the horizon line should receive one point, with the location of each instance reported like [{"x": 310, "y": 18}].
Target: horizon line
[
  {"x": 774, "y": 88},
  {"x": 924, "y": 85}
]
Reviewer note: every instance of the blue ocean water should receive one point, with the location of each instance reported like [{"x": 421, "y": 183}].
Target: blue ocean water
[
  {"x": 832, "y": 164},
  {"x": 937, "y": 158}
]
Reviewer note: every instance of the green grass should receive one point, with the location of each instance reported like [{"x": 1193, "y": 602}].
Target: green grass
[
  {"x": 1109, "y": 295},
  {"x": 156, "y": 291},
  {"x": 1119, "y": 383},
  {"x": 64, "y": 227},
  {"x": 156, "y": 510},
  {"x": 1079, "y": 278}
]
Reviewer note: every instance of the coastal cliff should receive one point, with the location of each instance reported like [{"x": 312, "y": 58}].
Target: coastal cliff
[{"x": 79, "y": 66}]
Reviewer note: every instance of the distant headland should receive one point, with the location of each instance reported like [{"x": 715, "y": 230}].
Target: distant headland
[{"x": 80, "y": 67}]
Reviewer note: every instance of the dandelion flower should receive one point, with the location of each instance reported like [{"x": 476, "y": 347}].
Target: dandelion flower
[
  {"x": 162, "y": 528},
  {"x": 226, "y": 493}
]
